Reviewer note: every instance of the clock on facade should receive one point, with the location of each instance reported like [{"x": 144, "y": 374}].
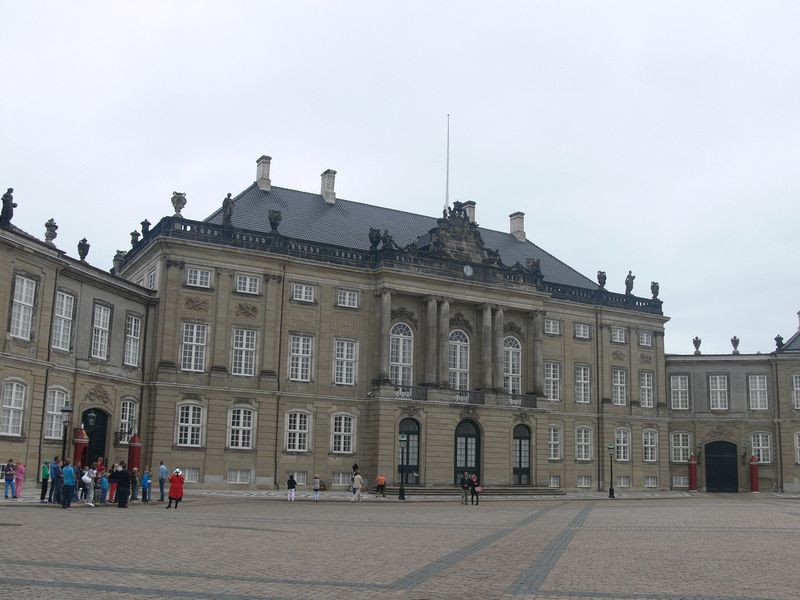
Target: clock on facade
[{"x": 468, "y": 270}]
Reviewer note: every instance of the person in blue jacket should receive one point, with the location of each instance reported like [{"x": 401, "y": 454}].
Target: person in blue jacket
[{"x": 69, "y": 485}]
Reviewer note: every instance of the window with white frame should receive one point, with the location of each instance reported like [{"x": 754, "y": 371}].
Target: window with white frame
[
  {"x": 127, "y": 420},
  {"x": 646, "y": 338},
  {"x": 646, "y": 390},
  {"x": 679, "y": 392},
  {"x": 347, "y": 298},
  {"x": 583, "y": 443},
  {"x": 22, "y": 307},
  {"x": 401, "y": 354},
  {"x": 152, "y": 279},
  {"x": 651, "y": 481},
  {"x": 297, "y": 430},
  {"x": 757, "y": 387},
  {"x": 680, "y": 481},
  {"x": 301, "y": 477},
  {"x": 552, "y": 380},
  {"x": 57, "y": 399},
  {"x": 62, "y": 320},
  {"x": 193, "y": 347},
  {"x": 624, "y": 481},
  {"x": 302, "y": 292},
  {"x": 761, "y": 447},
  {"x": 190, "y": 425},
  {"x": 458, "y": 360},
  {"x": 718, "y": 392},
  {"x": 619, "y": 387},
  {"x": 243, "y": 352},
  {"x": 622, "y": 445},
  {"x": 345, "y": 356},
  {"x": 583, "y": 384},
  {"x": 341, "y": 478},
  {"x": 679, "y": 447},
  {"x": 239, "y": 476},
  {"x": 618, "y": 335},
  {"x": 101, "y": 330},
  {"x": 191, "y": 475},
  {"x": 582, "y": 331},
  {"x": 796, "y": 391},
  {"x": 797, "y": 448},
  {"x": 133, "y": 340},
  {"x": 248, "y": 284},
  {"x": 300, "y": 350},
  {"x": 650, "y": 445},
  {"x": 554, "y": 481},
  {"x": 512, "y": 365},
  {"x": 198, "y": 277},
  {"x": 584, "y": 482},
  {"x": 342, "y": 434},
  {"x": 553, "y": 442},
  {"x": 240, "y": 428},
  {"x": 552, "y": 326}
]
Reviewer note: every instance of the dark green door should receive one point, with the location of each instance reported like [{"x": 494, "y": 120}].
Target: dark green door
[
  {"x": 95, "y": 423},
  {"x": 722, "y": 474}
]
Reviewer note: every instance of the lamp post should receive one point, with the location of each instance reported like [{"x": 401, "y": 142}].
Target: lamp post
[
  {"x": 403, "y": 441},
  {"x": 611, "y": 448},
  {"x": 66, "y": 411}
]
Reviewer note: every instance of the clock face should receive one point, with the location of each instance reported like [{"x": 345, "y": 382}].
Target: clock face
[{"x": 467, "y": 270}]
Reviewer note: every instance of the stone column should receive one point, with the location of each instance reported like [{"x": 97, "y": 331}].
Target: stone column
[
  {"x": 486, "y": 347},
  {"x": 498, "y": 348},
  {"x": 538, "y": 357},
  {"x": 386, "y": 323},
  {"x": 430, "y": 342},
  {"x": 527, "y": 357},
  {"x": 444, "y": 341}
]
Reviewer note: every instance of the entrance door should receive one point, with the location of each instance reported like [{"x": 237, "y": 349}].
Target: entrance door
[
  {"x": 722, "y": 474},
  {"x": 408, "y": 465},
  {"x": 522, "y": 456},
  {"x": 468, "y": 450},
  {"x": 95, "y": 423}
]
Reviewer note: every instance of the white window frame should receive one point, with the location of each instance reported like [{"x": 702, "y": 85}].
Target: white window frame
[
  {"x": 552, "y": 381},
  {"x": 554, "y": 481},
  {"x": 583, "y": 384},
  {"x": 197, "y": 277},
  {"x": 761, "y": 447},
  {"x": 341, "y": 478},
  {"x": 583, "y": 443},
  {"x": 680, "y": 446},
  {"x": 303, "y": 292},
  {"x": 343, "y": 433},
  {"x": 133, "y": 340},
  {"x": 458, "y": 360},
  {"x": 241, "y": 427},
  {"x": 757, "y": 391},
  {"x": 623, "y": 481},
  {"x": 298, "y": 431},
  {"x": 194, "y": 339},
  {"x": 152, "y": 279},
  {"x": 401, "y": 354},
  {"x": 57, "y": 398},
  {"x": 650, "y": 445},
  {"x": 553, "y": 442},
  {"x": 347, "y": 298},
  {"x": 244, "y": 342},
  {"x": 582, "y": 331},
  {"x": 796, "y": 391},
  {"x": 22, "y": 305},
  {"x": 62, "y": 321},
  {"x": 127, "y": 420},
  {"x": 552, "y": 327},
  {"x": 345, "y": 361},
  {"x": 301, "y": 354},
  {"x": 618, "y": 335},
  {"x": 647, "y": 389},
  {"x": 718, "y": 392},
  {"x": 239, "y": 476},
  {"x": 650, "y": 481},
  {"x": 190, "y": 425},
  {"x": 619, "y": 386},
  {"x": 583, "y": 482},
  {"x": 191, "y": 475},
  {"x": 101, "y": 331},
  {"x": 248, "y": 284},
  {"x": 622, "y": 444},
  {"x": 512, "y": 365},
  {"x": 680, "y": 481},
  {"x": 797, "y": 448},
  {"x": 679, "y": 392},
  {"x": 646, "y": 339}
]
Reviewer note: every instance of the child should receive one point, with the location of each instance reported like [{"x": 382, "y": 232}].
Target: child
[
  {"x": 315, "y": 485},
  {"x": 104, "y": 487},
  {"x": 146, "y": 478}
]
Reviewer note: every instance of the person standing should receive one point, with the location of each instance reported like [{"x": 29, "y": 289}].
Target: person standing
[
  {"x": 45, "y": 480},
  {"x": 162, "y": 479},
  {"x": 8, "y": 472},
  {"x": 291, "y": 485},
  {"x": 89, "y": 478},
  {"x": 69, "y": 485},
  {"x": 380, "y": 485},
  {"x": 146, "y": 478},
  {"x": 474, "y": 490},
  {"x": 358, "y": 483},
  {"x": 19, "y": 479},
  {"x": 113, "y": 477},
  {"x": 315, "y": 486},
  {"x": 104, "y": 487},
  {"x": 134, "y": 485},
  {"x": 57, "y": 475},
  {"x": 464, "y": 483},
  {"x": 123, "y": 485},
  {"x": 175, "y": 488}
]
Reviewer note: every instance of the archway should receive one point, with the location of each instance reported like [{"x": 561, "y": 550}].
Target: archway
[
  {"x": 467, "y": 450},
  {"x": 722, "y": 473},
  {"x": 521, "y": 456}
]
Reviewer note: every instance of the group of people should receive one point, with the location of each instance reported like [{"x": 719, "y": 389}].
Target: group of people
[
  {"x": 14, "y": 476},
  {"x": 469, "y": 485}
]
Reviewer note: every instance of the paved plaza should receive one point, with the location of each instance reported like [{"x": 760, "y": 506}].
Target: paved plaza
[{"x": 237, "y": 547}]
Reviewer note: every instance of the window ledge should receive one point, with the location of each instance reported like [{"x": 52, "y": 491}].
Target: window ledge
[
  {"x": 240, "y": 450},
  {"x": 13, "y": 438},
  {"x": 189, "y": 448}
]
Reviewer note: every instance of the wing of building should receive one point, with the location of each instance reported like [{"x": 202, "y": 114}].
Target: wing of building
[{"x": 296, "y": 332}]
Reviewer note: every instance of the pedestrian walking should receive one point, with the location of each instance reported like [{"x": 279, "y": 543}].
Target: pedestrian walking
[
  {"x": 464, "y": 483},
  {"x": 113, "y": 477},
  {"x": 358, "y": 483},
  {"x": 162, "y": 479},
  {"x": 123, "y": 485},
  {"x": 57, "y": 477},
  {"x": 175, "y": 487},
  {"x": 315, "y": 486},
  {"x": 68, "y": 491},
  {"x": 88, "y": 483},
  {"x": 380, "y": 486},
  {"x": 146, "y": 479},
  {"x": 475, "y": 490},
  {"x": 45, "y": 481},
  {"x": 134, "y": 485},
  {"x": 19, "y": 479},
  {"x": 8, "y": 474}
]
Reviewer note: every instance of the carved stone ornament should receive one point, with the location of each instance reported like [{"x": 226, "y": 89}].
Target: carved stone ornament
[
  {"x": 601, "y": 279},
  {"x": 178, "y": 202},
  {"x": 412, "y": 410},
  {"x": 98, "y": 394},
  {"x": 618, "y": 355},
  {"x": 83, "y": 249},
  {"x": 403, "y": 314},
  {"x": 469, "y": 412},
  {"x": 721, "y": 432},
  {"x": 8, "y": 208},
  {"x": 246, "y": 310},
  {"x": 175, "y": 263},
  {"x": 50, "y": 231},
  {"x": 697, "y": 341},
  {"x": 275, "y": 217},
  {"x": 522, "y": 416},
  {"x": 196, "y": 304},
  {"x": 646, "y": 358},
  {"x": 735, "y": 344},
  {"x": 514, "y": 329},
  {"x": 458, "y": 321}
]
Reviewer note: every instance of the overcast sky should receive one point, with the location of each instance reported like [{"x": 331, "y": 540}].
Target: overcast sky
[{"x": 661, "y": 137}]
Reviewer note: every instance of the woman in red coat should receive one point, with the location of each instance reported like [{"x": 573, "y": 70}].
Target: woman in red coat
[{"x": 175, "y": 488}]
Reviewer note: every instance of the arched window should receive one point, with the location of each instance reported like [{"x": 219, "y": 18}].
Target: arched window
[
  {"x": 127, "y": 420},
  {"x": 679, "y": 446},
  {"x": 240, "y": 427},
  {"x": 401, "y": 354},
  {"x": 57, "y": 399},
  {"x": 468, "y": 441},
  {"x": 408, "y": 459},
  {"x": 458, "y": 360},
  {"x": 343, "y": 434},
  {"x": 583, "y": 443},
  {"x": 298, "y": 431},
  {"x": 190, "y": 425},
  {"x": 521, "y": 455},
  {"x": 13, "y": 407},
  {"x": 512, "y": 365},
  {"x": 650, "y": 445}
]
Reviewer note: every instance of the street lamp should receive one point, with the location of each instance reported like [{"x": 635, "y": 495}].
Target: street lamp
[
  {"x": 66, "y": 411},
  {"x": 403, "y": 441},
  {"x": 611, "y": 470}
]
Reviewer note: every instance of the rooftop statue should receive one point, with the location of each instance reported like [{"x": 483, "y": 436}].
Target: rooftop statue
[
  {"x": 227, "y": 210},
  {"x": 8, "y": 208},
  {"x": 654, "y": 289},
  {"x": 629, "y": 283},
  {"x": 601, "y": 279}
]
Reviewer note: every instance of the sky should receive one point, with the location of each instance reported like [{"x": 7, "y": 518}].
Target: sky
[{"x": 657, "y": 137}]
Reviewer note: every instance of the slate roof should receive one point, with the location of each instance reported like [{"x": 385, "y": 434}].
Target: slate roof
[
  {"x": 792, "y": 344},
  {"x": 346, "y": 223}
]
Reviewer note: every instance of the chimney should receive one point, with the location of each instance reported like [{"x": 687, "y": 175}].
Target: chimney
[
  {"x": 518, "y": 225},
  {"x": 798, "y": 320},
  {"x": 469, "y": 206},
  {"x": 328, "y": 179},
  {"x": 262, "y": 173}
]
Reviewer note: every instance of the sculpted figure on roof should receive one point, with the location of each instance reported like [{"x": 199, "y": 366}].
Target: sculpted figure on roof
[
  {"x": 8, "y": 208},
  {"x": 227, "y": 210}
]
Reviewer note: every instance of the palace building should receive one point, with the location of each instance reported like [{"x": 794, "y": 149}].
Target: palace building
[{"x": 295, "y": 332}]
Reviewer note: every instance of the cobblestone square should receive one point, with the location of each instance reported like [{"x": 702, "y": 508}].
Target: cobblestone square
[{"x": 237, "y": 547}]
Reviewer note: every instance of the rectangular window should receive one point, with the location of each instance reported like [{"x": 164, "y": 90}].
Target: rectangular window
[
  {"x": 62, "y": 321},
  {"x": 583, "y": 384},
  {"x": 584, "y": 482},
  {"x": 619, "y": 387},
  {"x": 554, "y": 481},
  {"x": 347, "y": 298},
  {"x": 127, "y": 421},
  {"x": 152, "y": 279},
  {"x": 133, "y": 340},
  {"x": 300, "y": 357},
  {"x": 239, "y": 476},
  {"x": 761, "y": 447},
  {"x": 583, "y": 443},
  {"x": 680, "y": 447},
  {"x": 243, "y": 360},
  {"x": 344, "y": 369},
  {"x": 341, "y": 478},
  {"x": 22, "y": 307},
  {"x": 646, "y": 390},
  {"x": 624, "y": 481},
  {"x": 191, "y": 475},
  {"x": 552, "y": 381},
  {"x": 303, "y": 292},
  {"x": 718, "y": 392},
  {"x": 796, "y": 391},
  {"x": 53, "y": 420},
  {"x": 646, "y": 338},
  {"x": 297, "y": 429},
  {"x": 679, "y": 392},
  {"x": 582, "y": 331},
  {"x": 342, "y": 434},
  {"x": 618, "y": 335},
  {"x": 241, "y": 429},
  {"x": 301, "y": 477},
  {"x": 757, "y": 385},
  {"x": 193, "y": 349},
  {"x": 190, "y": 425},
  {"x": 552, "y": 326},
  {"x": 553, "y": 443},
  {"x": 797, "y": 448},
  {"x": 101, "y": 328},
  {"x": 13, "y": 408},
  {"x": 198, "y": 277},
  {"x": 679, "y": 481},
  {"x": 248, "y": 284},
  {"x": 622, "y": 439},
  {"x": 651, "y": 481},
  {"x": 649, "y": 445}
]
